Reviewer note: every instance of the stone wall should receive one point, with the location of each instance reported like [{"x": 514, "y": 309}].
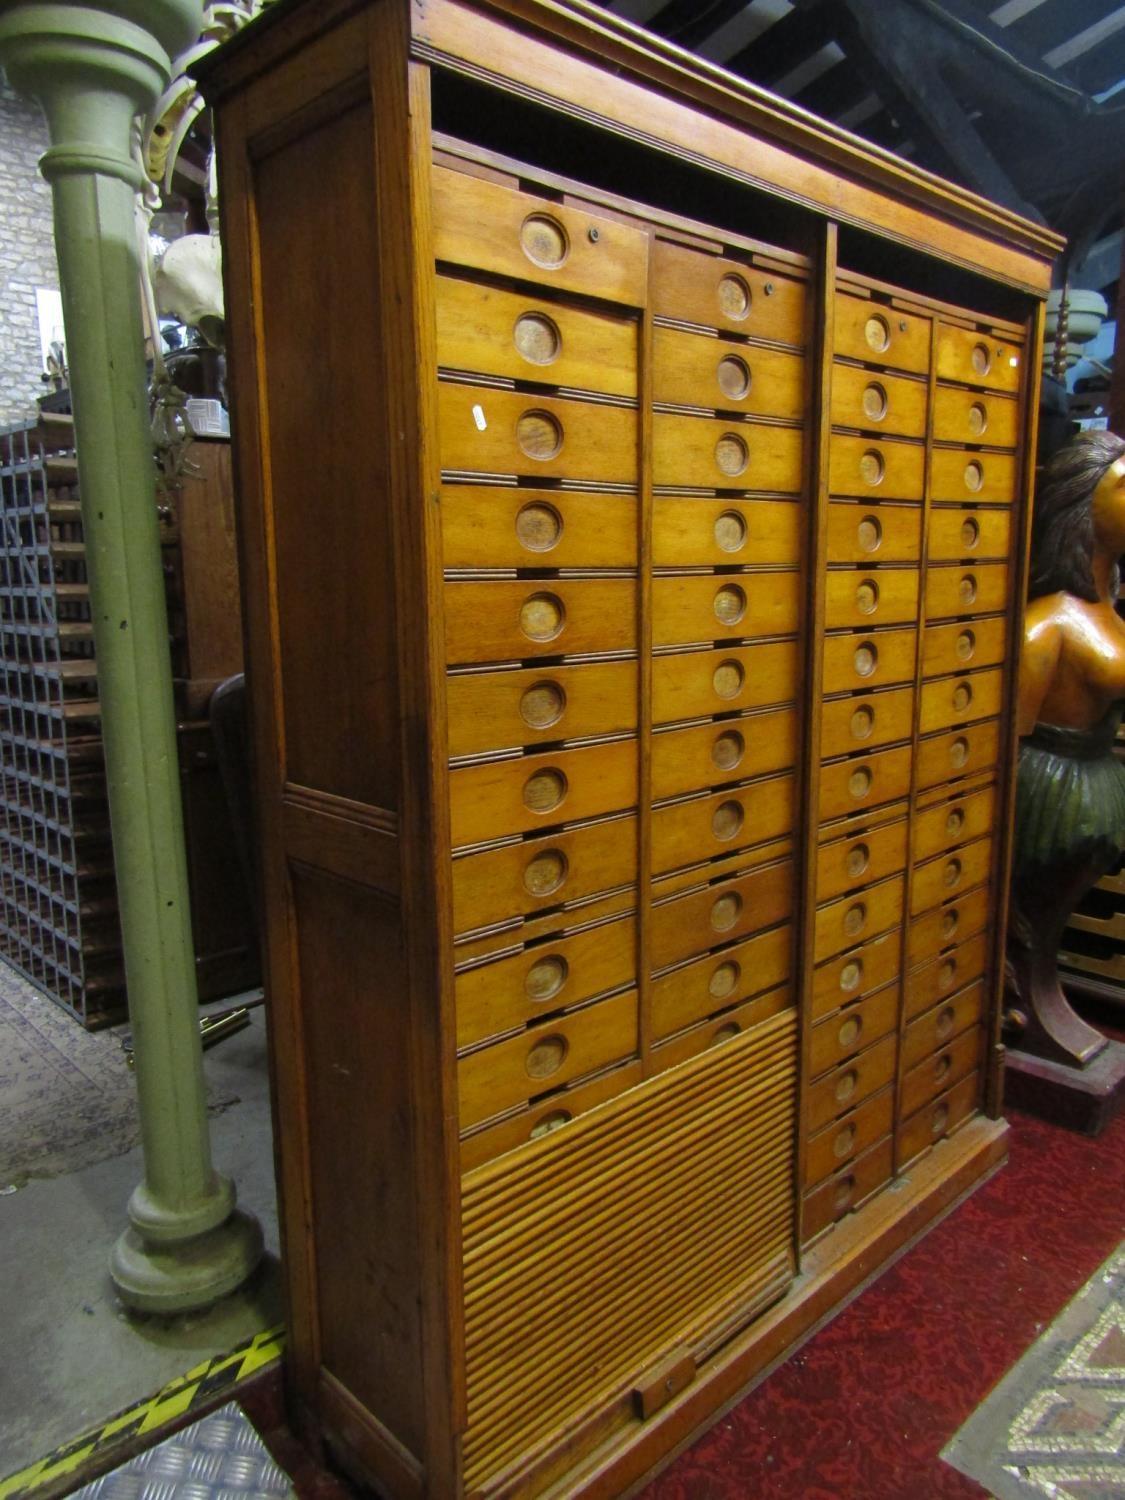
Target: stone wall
[{"x": 27, "y": 252}]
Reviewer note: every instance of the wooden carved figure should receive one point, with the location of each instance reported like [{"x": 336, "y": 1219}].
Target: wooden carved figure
[{"x": 1070, "y": 801}]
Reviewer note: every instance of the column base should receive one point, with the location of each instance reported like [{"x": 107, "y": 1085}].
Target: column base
[{"x": 166, "y": 1277}]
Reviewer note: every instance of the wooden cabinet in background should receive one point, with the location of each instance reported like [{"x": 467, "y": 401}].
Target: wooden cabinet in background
[{"x": 634, "y": 494}]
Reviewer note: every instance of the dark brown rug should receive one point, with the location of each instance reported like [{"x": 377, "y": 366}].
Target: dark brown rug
[{"x": 1055, "y": 1425}]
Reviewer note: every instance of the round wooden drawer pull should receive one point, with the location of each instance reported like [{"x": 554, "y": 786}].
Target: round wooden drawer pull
[
  {"x": 545, "y": 873},
  {"x": 851, "y": 974},
  {"x": 951, "y": 874},
  {"x": 727, "y": 819},
  {"x": 731, "y": 531},
  {"x": 859, "y": 782},
  {"x": 546, "y": 1057},
  {"x": 970, "y": 533},
  {"x": 874, "y": 402},
  {"x": 945, "y": 1022},
  {"x": 855, "y": 919},
  {"x": 974, "y": 475},
  {"x": 943, "y": 1066},
  {"x": 728, "y": 749},
  {"x": 540, "y": 435},
  {"x": 844, "y": 1144},
  {"x": 724, "y": 979},
  {"x": 543, "y": 704},
  {"x": 550, "y": 1122},
  {"x": 728, "y": 679},
  {"x": 731, "y": 454},
  {"x": 867, "y": 596},
  {"x": 869, "y": 533},
  {"x": 845, "y": 1189},
  {"x": 954, "y": 821},
  {"x": 939, "y": 1119},
  {"x": 734, "y": 298},
  {"x": 546, "y": 977},
  {"x": 859, "y": 857},
  {"x": 544, "y": 790},
  {"x": 872, "y": 467},
  {"x": 846, "y": 1085},
  {"x": 966, "y": 646},
  {"x": 849, "y": 1033},
  {"x": 978, "y": 418},
  {"x": 730, "y": 604},
  {"x": 537, "y": 338},
  {"x": 733, "y": 375},
  {"x": 967, "y": 588},
  {"x": 981, "y": 359},
  {"x": 959, "y": 752},
  {"x": 950, "y": 921},
  {"x": 544, "y": 241},
  {"x": 947, "y": 973},
  {"x": 866, "y": 658},
  {"x": 725, "y": 911},
  {"x": 877, "y": 332},
  {"x": 539, "y": 527},
  {"x": 862, "y": 722},
  {"x": 725, "y": 1033},
  {"x": 542, "y": 616}
]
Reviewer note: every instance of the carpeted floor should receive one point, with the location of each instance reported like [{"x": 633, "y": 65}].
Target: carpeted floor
[
  {"x": 865, "y": 1408},
  {"x": 67, "y": 1098},
  {"x": 1055, "y": 1425}
]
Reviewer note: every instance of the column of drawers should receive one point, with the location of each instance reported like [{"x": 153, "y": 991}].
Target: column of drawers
[
  {"x": 539, "y": 434},
  {"x": 975, "y": 425},
  {"x": 729, "y": 391},
  {"x": 873, "y": 547}
]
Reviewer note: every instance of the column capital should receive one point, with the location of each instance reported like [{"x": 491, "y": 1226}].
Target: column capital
[{"x": 92, "y": 68}]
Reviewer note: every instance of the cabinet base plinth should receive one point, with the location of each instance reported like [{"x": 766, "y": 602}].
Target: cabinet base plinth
[{"x": 1083, "y": 1099}]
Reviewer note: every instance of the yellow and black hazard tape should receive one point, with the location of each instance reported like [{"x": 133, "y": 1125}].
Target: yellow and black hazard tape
[{"x": 176, "y": 1399}]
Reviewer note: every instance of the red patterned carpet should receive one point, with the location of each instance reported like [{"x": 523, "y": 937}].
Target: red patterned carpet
[{"x": 864, "y": 1409}]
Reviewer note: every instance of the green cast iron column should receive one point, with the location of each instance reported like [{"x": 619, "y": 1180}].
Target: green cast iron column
[{"x": 93, "y": 69}]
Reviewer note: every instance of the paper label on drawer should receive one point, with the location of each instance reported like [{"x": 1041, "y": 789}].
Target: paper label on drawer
[{"x": 479, "y": 418}]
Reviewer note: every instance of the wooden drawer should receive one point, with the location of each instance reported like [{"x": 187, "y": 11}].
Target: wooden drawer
[
  {"x": 698, "y": 989},
  {"x": 488, "y": 431},
  {"x": 878, "y": 403},
  {"x": 509, "y": 993},
  {"x": 693, "y": 369},
  {"x": 496, "y": 228},
  {"x": 843, "y": 923},
  {"x": 871, "y": 855},
  {"x": 831, "y": 1149},
  {"x": 862, "y": 598},
  {"x": 509, "y": 1073},
  {"x": 962, "y": 535},
  {"x": 683, "y": 833},
  {"x": 847, "y": 1189},
  {"x": 966, "y": 590},
  {"x": 494, "y": 526},
  {"x": 539, "y": 874},
  {"x": 849, "y": 786},
  {"x": 726, "y": 453},
  {"x": 867, "y": 533},
  {"x": 530, "y": 705},
  {"x": 970, "y": 417},
  {"x": 876, "y": 468},
  {"x": 719, "y": 1029},
  {"x": 957, "y": 647},
  {"x": 856, "y": 973},
  {"x": 959, "y": 870},
  {"x": 727, "y": 606},
  {"x": 978, "y": 358},
  {"x": 848, "y": 1085},
  {"x": 686, "y": 685},
  {"x": 516, "y": 619},
  {"x": 939, "y": 1025},
  {"x": 488, "y": 330},
  {"x": 879, "y": 659},
  {"x": 946, "y": 701},
  {"x": 938, "y": 1118},
  {"x": 944, "y": 975},
  {"x": 714, "y": 533},
  {"x": 850, "y": 1030},
  {"x": 951, "y": 923},
  {"x": 987, "y": 477},
  {"x": 941, "y": 1071},
  {"x": 864, "y": 723},
  {"x": 945, "y": 756},
  {"x": 881, "y": 335},
  {"x": 532, "y": 791},
  {"x": 686, "y": 925},
  {"x": 955, "y": 822},
  {"x": 694, "y": 287},
  {"x": 706, "y": 755},
  {"x": 546, "y": 1115}
]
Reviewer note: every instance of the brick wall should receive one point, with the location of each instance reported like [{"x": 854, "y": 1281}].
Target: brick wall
[{"x": 27, "y": 252}]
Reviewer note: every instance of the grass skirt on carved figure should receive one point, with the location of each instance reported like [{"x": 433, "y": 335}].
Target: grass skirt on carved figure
[{"x": 1070, "y": 797}]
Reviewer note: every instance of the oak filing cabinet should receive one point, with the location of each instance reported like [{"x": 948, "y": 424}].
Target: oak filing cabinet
[{"x": 635, "y": 491}]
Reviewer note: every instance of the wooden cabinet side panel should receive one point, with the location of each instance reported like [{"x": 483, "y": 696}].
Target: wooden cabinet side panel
[{"x": 307, "y": 225}]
